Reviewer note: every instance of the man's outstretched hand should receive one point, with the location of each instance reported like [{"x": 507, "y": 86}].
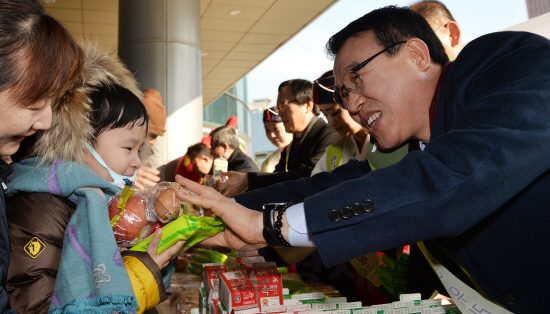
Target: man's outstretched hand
[{"x": 244, "y": 226}]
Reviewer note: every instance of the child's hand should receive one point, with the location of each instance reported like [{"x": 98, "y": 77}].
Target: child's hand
[{"x": 163, "y": 258}]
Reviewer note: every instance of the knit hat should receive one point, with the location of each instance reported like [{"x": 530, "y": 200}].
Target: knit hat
[
  {"x": 323, "y": 90},
  {"x": 271, "y": 114},
  {"x": 157, "y": 114}
]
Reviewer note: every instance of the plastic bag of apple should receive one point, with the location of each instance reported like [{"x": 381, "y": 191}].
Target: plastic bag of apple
[{"x": 136, "y": 214}]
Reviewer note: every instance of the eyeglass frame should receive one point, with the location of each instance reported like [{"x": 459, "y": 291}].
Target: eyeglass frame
[{"x": 338, "y": 96}]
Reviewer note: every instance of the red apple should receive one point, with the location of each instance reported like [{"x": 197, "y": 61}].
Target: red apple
[{"x": 133, "y": 226}]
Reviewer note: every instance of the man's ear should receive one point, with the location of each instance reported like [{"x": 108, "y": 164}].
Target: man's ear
[
  {"x": 454, "y": 33},
  {"x": 226, "y": 147},
  {"x": 419, "y": 53},
  {"x": 309, "y": 106}
]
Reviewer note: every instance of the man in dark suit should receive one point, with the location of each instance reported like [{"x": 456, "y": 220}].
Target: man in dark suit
[
  {"x": 478, "y": 189},
  {"x": 225, "y": 143},
  {"x": 312, "y": 136}
]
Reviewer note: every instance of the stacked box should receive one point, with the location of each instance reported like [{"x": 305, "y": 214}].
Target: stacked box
[
  {"x": 202, "y": 300},
  {"x": 245, "y": 263},
  {"x": 248, "y": 253},
  {"x": 269, "y": 286},
  {"x": 337, "y": 300},
  {"x": 298, "y": 308},
  {"x": 349, "y": 307},
  {"x": 221, "y": 308},
  {"x": 211, "y": 278},
  {"x": 325, "y": 307},
  {"x": 237, "y": 292},
  {"x": 213, "y": 306},
  {"x": 286, "y": 294},
  {"x": 314, "y": 297}
]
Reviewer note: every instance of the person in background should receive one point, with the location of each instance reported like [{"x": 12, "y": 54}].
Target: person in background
[
  {"x": 443, "y": 23},
  {"x": 225, "y": 143},
  {"x": 311, "y": 138},
  {"x": 276, "y": 134},
  {"x": 147, "y": 175},
  {"x": 201, "y": 159},
  {"x": 38, "y": 57},
  {"x": 354, "y": 139},
  {"x": 184, "y": 166}
]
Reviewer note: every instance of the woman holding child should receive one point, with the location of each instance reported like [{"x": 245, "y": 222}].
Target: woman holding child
[
  {"x": 31, "y": 45},
  {"x": 58, "y": 200}
]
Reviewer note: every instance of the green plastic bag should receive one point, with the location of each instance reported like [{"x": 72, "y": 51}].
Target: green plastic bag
[{"x": 192, "y": 229}]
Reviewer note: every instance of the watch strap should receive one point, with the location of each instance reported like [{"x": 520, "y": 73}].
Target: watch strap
[{"x": 269, "y": 231}]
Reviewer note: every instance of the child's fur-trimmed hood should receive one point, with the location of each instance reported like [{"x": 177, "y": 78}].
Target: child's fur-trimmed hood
[{"x": 71, "y": 128}]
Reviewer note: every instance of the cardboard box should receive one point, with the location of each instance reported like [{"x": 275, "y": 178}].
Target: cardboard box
[
  {"x": 248, "y": 253},
  {"x": 211, "y": 276},
  {"x": 213, "y": 306},
  {"x": 237, "y": 292},
  {"x": 269, "y": 285},
  {"x": 245, "y": 263}
]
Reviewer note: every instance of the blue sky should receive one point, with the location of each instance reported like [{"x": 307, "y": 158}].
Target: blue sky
[{"x": 304, "y": 56}]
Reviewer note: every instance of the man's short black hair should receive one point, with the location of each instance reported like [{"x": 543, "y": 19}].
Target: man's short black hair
[
  {"x": 198, "y": 150},
  {"x": 390, "y": 25}
]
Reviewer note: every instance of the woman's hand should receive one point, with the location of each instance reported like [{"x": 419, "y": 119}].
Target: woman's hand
[
  {"x": 236, "y": 182},
  {"x": 244, "y": 226},
  {"x": 163, "y": 258}
]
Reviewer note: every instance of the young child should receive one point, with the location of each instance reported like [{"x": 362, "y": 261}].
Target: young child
[{"x": 65, "y": 255}]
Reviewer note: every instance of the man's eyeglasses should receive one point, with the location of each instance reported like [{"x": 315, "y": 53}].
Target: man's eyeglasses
[
  {"x": 283, "y": 106},
  {"x": 353, "y": 82}
]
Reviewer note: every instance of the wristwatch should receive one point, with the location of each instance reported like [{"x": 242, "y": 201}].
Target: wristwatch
[{"x": 272, "y": 224}]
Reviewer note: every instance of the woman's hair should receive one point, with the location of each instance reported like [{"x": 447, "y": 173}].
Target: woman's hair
[
  {"x": 302, "y": 91},
  {"x": 114, "y": 107},
  {"x": 38, "y": 56}
]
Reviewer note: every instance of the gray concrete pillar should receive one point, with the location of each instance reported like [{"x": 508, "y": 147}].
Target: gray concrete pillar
[{"x": 159, "y": 41}]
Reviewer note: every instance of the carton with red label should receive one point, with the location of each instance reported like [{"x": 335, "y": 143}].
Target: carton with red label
[
  {"x": 245, "y": 263},
  {"x": 237, "y": 292},
  {"x": 211, "y": 277},
  {"x": 269, "y": 284},
  {"x": 248, "y": 253},
  {"x": 213, "y": 306}
]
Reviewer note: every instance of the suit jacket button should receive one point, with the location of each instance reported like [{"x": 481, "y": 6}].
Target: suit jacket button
[
  {"x": 356, "y": 209},
  {"x": 510, "y": 298},
  {"x": 334, "y": 215},
  {"x": 345, "y": 212},
  {"x": 368, "y": 205}
]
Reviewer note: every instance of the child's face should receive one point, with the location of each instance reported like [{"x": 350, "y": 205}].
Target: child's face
[{"x": 119, "y": 148}]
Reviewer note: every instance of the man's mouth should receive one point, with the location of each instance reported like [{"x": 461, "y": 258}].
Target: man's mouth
[{"x": 372, "y": 119}]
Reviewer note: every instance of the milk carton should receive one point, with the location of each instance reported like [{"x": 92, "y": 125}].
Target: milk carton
[
  {"x": 237, "y": 292},
  {"x": 211, "y": 274}
]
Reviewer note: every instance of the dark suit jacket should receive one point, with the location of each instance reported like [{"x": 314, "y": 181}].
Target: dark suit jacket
[
  {"x": 480, "y": 188},
  {"x": 301, "y": 161},
  {"x": 240, "y": 162}
]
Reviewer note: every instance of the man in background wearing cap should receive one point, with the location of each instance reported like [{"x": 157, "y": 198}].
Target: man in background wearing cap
[{"x": 148, "y": 176}]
